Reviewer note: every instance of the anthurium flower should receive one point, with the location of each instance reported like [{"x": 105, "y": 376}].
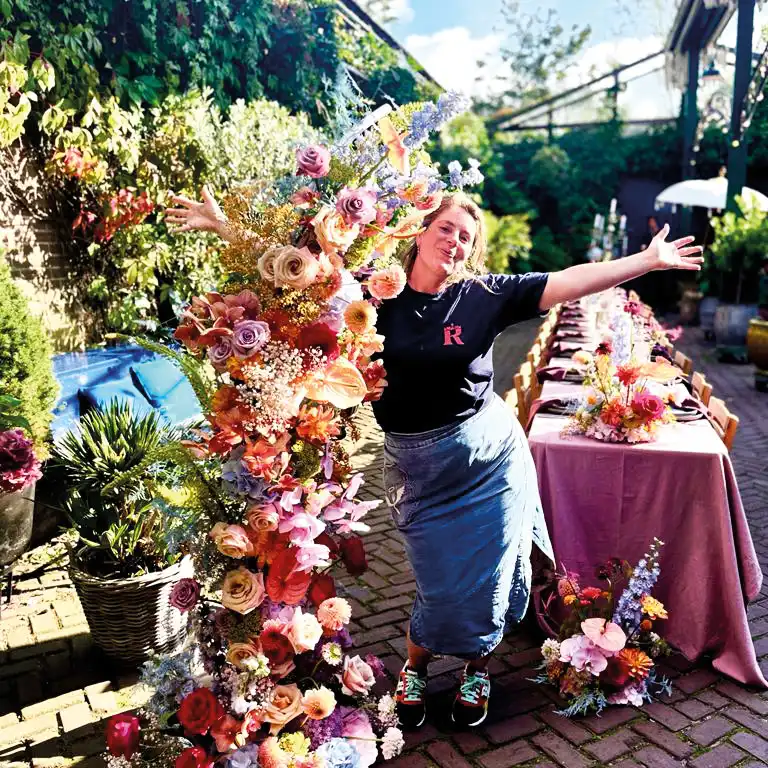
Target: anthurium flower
[
  {"x": 397, "y": 152},
  {"x": 341, "y": 384},
  {"x": 604, "y": 634}
]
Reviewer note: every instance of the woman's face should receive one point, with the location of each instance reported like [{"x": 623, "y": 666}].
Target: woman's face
[{"x": 447, "y": 242}]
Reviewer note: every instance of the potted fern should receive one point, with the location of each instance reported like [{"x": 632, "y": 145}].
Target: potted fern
[{"x": 134, "y": 495}]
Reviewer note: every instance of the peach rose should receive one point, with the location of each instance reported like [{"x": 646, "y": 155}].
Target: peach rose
[
  {"x": 360, "y": 317},
  {"x": 295, "y": 268},
  {"x": 264, "y": 518},
  {"x": 334, "y": 613},
  {"x": 332, "y": 232},
  {"x": 387, "y": 283},
  {"x": 303, "y": 631},
  {"x": 242, "y": 590},
  {"x": 266, "y": 264},
  {"x": 283, "y": 707},
  {"x": 239, "y": 654},
  {"x": 232, "y": 540},
  {"x": 318, "y": 703},
  {"x": 357, "y": 676}
]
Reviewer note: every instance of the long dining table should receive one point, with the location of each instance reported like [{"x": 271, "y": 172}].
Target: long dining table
[{"x": 604, "y": 500}]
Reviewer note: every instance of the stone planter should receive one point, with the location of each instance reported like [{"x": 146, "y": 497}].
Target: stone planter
[
  {"x": 689, "y": 307},
  {"x": 707, "y": 309},
  {"x": 132, "y": 619},
  {"x": 732, "y": 323},
  {"x": 16, "y": 516}
]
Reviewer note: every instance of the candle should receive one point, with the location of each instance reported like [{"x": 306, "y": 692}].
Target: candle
[
  {"x": 623, "y": 222},
  {"x": 613, "y": 205}
]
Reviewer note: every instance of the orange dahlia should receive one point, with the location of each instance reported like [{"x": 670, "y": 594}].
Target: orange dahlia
[
  {"x": 317, "y": 423},
  {"x": 636, "y": 662}
]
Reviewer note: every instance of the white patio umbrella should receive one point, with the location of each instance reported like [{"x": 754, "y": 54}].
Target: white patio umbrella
[{"x": 708, "y": 193}]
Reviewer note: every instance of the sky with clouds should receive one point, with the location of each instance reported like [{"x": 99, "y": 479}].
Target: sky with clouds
[{"x": 449, "y": 36}]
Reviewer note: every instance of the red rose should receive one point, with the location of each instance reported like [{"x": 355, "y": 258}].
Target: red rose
[
  {"x": 194, "y": 757},
  {"x": 353, "y": 556},
  {"x": 199, "y": 710},
  {"x": 321, "y": 588},
  {"x": 648, "y": 407},
  {"x": 123, "y": 735}
]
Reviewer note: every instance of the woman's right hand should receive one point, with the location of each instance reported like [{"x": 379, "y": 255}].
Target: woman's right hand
[{"x": 205, "y": 216}]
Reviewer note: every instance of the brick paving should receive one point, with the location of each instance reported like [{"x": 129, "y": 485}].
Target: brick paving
[{"x": 56, "y": 692}]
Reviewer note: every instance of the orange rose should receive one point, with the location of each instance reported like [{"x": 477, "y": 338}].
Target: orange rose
[
  {"x": 242, "y": 590},
  {"x": 264, "y": 518},
  {"x": 232, "y": 540}
]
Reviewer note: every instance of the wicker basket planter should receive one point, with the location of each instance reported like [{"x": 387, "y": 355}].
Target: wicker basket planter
[{"x": 130, "y": 619}]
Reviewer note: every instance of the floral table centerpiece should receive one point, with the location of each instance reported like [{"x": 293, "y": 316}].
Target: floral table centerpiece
[
  {"x": 279, "y": 358},
  {"x": 606, "y": 646}
]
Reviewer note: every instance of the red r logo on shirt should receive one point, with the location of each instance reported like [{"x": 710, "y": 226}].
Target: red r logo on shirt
[{"x": 452, "y": 335}]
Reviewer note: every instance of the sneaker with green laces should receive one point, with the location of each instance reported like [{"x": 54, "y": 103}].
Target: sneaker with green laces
[
  {"x": 409, "y": 698},
  {"x": 470, "y": 707}
]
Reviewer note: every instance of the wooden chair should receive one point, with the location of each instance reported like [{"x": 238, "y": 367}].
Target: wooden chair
[
  {"x": 510, "y": 398},
  {"x": 534, "y": 355},
  {"x": 724, "y": 422},
  {"x": 684, "y": 363},
  {"x": 523, "y": 387},
  {"x": 701, "y": 387}
]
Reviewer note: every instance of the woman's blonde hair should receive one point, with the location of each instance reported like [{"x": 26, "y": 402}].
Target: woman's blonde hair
[{"x": 474, "y": 265}]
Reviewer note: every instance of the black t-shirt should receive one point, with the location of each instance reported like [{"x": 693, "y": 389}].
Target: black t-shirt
[{"x": 437, "y": 348}]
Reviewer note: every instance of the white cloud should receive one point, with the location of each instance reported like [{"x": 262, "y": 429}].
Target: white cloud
[
  {"x": 401, "y": 10},
  {"x": 451, "y": 55}
]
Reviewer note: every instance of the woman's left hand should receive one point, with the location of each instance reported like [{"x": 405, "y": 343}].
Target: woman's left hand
[{"x": 677, "y": 254}]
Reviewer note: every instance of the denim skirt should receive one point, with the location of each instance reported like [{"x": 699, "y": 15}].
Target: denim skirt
[{"x": 465, "y": 498}]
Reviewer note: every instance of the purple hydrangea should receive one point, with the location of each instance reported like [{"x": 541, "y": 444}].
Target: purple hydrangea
[
  {"x": 320, "y": 731},
  {"x": 238, "y": 480}
]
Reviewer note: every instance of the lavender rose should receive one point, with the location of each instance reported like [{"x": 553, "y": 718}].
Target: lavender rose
[
  {"x": 249, "y": 337},
  {"x": 185, "y": 594},
  {"x": 220, "y": 352},
  {"x": 314, "y": 161},
  {"x": 357, "y": 206},
  {"x": 19, "y": 466}
]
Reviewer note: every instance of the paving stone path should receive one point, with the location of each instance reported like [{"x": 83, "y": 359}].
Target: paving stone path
[{"x": 55, "y": 692}]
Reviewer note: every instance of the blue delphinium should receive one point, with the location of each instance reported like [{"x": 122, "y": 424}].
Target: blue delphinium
[
  {"x": 629, "y": 612},
  {"x": 339, "y": 753},
  {"x": 171, "y": 679},
  {"x": 432, "y": 116}
]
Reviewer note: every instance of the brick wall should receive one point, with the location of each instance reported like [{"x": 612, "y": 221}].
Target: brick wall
[{"x": 31, "y": 243}]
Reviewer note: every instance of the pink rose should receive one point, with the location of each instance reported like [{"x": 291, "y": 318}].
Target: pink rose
[
  {"x": 357, "y": 676},
  {"x": 232, "y": 540},
  {"x": 265, "y": 518},
  {"x": 314, "y": 161},
  {"x": 357, "y": 206},
  {"x": 647, "y": 407},
  {"x": 303, "y": 631}
]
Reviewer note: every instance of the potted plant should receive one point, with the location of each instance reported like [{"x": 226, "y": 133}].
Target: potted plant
[
  {"x": 757, "y": 336},
  {"x": 27, "y": 395},
  {"x": 739, "y": 247},
  {"x": 133, "y": 502}
]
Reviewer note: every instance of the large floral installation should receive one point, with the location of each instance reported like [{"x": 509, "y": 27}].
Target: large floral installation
[
  {"x": 625, "y": 396},
  {"x": 605, "y": 650},
  {"x": 270, "y": 679}
]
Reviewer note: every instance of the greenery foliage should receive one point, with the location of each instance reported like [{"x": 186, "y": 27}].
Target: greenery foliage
[{"x": 26, "y": 374}]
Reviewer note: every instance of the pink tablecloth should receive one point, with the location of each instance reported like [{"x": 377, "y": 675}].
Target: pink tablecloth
[{"x": 606, "y": 500}]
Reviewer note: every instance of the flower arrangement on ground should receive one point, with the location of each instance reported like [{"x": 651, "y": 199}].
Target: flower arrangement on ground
[
  {"x": 291, "y": 340},
  {"x": 617, "y": 405},
  {"x": 606, "y": 646}
]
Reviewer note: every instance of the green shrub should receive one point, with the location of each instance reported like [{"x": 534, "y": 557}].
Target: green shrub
[{"x": 26, "y": 372}]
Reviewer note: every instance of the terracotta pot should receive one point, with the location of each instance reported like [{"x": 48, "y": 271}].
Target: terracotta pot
[{"x": 16, "y": 516}]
